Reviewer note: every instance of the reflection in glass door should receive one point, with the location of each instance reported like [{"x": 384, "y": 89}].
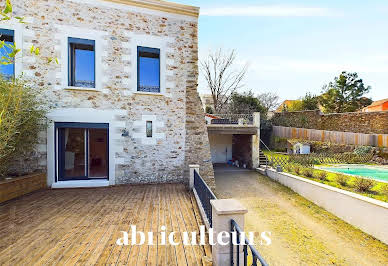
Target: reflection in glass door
[{"x": 82, "y": 151}]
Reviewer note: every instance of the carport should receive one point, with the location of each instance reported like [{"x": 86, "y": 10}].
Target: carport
[{"x": 232, "y": 138}]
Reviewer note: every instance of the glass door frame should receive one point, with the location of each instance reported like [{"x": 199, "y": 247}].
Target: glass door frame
[{"x": 59, "y": 166}]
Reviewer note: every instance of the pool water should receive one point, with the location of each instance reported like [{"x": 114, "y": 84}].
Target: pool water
[{"x": 365, "y": 171}]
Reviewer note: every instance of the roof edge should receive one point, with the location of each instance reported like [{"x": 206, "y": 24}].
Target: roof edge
[{"x": 163, "y": 6}]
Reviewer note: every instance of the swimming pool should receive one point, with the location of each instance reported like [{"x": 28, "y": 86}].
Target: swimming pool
[{"x": 375, "y": 172}]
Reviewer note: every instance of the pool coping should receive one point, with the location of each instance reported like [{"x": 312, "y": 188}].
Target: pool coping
[{"x": 364, "y": 177}]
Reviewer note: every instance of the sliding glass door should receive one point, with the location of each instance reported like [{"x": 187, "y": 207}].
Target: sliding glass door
[{"x": 82, "y": 151}]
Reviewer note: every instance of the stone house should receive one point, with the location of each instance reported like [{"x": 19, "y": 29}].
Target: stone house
[{"x": 124, "y": 101}]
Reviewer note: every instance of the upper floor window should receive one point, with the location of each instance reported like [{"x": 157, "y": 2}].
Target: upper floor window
[
  {"x": 7, "y": 70},
  {"x": 82, "y": 63},
  {"x": 148, "y": 69}
]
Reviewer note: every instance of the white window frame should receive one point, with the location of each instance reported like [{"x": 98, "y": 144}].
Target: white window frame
[
  {"x": 81, "y": 33},
  {"x": 80, "y": 115},
  {"x": 151, "y": 42},
  {"x": 18, "y": 40}
]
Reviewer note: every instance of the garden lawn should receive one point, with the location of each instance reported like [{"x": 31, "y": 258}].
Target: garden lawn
[
  {"x": 302, "y": 233},
  {"x": 379, "y": 190}
]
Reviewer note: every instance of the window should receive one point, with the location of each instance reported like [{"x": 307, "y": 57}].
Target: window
[
  {"x": 81, "y": 63},
  {"x": 148, "y": 69},
  {"x": 82, "y": 151},
  {"x": 149, "y": 129},
  {"x": 8, "y": 71}
]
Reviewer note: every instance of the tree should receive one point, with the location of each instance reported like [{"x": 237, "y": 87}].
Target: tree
[
  {"x": 208, "y": 110},
  {"x": 246, "y": 103},
  {"x": 296, "y": 105},
  {"x": 269, "y": 100},
  {"x": 310, "y": 102},
  {"x": 22, "y": 110},
  {"x": 222, "y": 77},
  {"x": 344, "y": 94}
]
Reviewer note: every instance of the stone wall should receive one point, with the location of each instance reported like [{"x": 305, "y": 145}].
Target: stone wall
[
  {"x": 180, "y": 132},
  {"x": 365, "y": 122}
]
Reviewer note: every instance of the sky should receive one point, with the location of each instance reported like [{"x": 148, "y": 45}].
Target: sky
[{"x": 294, "y": 47}]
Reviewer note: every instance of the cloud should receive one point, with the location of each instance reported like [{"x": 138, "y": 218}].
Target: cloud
[{"x": 268, "y": 11}]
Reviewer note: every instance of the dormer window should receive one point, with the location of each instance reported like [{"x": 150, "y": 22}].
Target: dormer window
[{"x": 148, "y": 69}]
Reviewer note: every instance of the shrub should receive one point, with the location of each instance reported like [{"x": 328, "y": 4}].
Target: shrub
[
  {"x": 208, "y": 110},
  {"x": 321, "y": 175},
  {"x": 341, "y": 179},
  {"x": 297, "y": 169},
  {"x": 384, "y": 189},
  {"x": 288, "y": 168},
  {"x": 21, "y": 115},
  {"x": 364, "y": 184},
  {"x": 308, "y": 172}
]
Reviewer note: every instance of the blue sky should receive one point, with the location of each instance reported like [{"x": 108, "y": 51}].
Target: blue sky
[{"x": 294, "y": 47}]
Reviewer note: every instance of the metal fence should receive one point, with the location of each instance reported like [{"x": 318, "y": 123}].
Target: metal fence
[
  {"x": 310, "y": 160},
  {"x": 254, "y": 254},
  {"x": 205, "y": 195}
]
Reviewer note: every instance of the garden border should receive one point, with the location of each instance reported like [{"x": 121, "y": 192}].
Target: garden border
[
  {"x": 22, "y": 185},
  {"x": 367, "y": 214}
]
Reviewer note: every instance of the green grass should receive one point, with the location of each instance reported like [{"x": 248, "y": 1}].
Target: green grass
[{"x": 379, "y": 191}]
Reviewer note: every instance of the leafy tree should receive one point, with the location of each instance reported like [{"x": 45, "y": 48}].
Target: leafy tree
[
  {"x": 310, "y": 102},
  {"x": 296, "y": 105},
  {"x": 344, "y": 94},
  {"x": 246, "y": 103},
  {"x": 208, "y": 110}
]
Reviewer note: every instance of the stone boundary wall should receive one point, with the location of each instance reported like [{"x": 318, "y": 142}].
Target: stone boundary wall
[
  {"x": 353, "y": 208},
  {"x": 18, "y": 186},
  {"x": 338, "y": 137},
  {"x": 357, "y": 122}
]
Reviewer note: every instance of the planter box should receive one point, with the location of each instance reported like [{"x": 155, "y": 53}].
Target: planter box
[
  {"x": 367, "y": 214},
  {"x": 18, "y": 186}
]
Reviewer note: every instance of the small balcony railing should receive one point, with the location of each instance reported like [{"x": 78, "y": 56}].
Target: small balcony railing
[{"x": 232, "y": 119}]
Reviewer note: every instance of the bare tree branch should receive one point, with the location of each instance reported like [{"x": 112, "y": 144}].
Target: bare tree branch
[{"x": 222, "y": 77}]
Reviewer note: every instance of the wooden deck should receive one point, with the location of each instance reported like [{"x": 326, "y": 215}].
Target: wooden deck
[{"x": 81, "y": 226}]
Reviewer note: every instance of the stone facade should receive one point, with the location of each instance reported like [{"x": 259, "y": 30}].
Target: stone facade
[
  {"x": 357, "y": 122},
  {"x": 180, "y": 129}
]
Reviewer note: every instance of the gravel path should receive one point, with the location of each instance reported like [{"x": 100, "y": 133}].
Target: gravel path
[{"x": 302, "y": 232}]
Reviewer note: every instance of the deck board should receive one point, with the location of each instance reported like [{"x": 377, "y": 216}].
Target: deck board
[{"x": 81, "y": 226}]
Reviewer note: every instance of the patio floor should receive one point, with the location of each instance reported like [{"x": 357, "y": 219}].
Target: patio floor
[{"x": 81, "y": 226}]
